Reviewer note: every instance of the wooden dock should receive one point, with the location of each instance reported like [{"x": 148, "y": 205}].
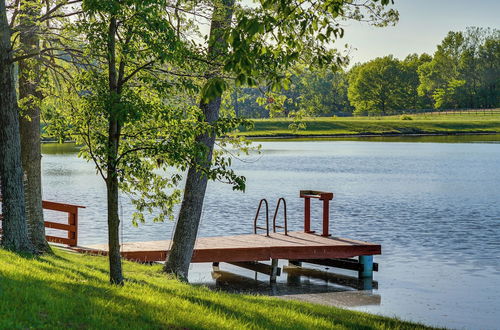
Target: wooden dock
[
  {"x": 247, "y": 251},
  {"x": 253, "y": 247}
]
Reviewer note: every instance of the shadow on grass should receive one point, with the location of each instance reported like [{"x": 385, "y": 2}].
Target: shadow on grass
[{"x": 71, "y": 292}]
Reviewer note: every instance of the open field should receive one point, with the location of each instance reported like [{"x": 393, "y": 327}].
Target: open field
[
  {"x": 389, "y": 125},
  {"x": 70, "y": 290}
]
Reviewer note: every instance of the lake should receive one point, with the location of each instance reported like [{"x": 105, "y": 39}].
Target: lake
[{"x": 432, "y": 203}]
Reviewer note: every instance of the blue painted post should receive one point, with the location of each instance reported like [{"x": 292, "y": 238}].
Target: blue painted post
[
  {"x": 367, "y": 263},
  {"x": 366, "y": 283}
]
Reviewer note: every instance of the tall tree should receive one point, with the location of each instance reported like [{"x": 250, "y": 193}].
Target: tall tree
[
  {"x": 130, "y": 110},
  {"x": 262, "y": 43},
  {"x": 321, "y": 93},
  {"x": 378, "y": 87},
  {"x": 489, "y": 54},
  {"x": 186, "y": 229},
  {"x": 30, "y": 20},
  {"x": 15, "y": 234},
  {"x": 458, "y": 75},
  {"x": 411, "y": 98},
  {"x": 30, "y": 97}
]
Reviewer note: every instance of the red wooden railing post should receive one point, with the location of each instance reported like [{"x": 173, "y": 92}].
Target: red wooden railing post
[
  {"x": 326, "y": 217},
  {"x": 71, "y": 227},
  {"x": 326, "y": 197},
  {"x": 73, "y": 221},
  {"x": 76, "y": 227},
  {"x": 307, "y": 215}
]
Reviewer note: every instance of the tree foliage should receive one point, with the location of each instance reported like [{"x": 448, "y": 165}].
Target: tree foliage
[
  {"x": 139, "y": 83},
  {"x": 377, "y": 86},
  {"x": 464, "y": 71},
  {"x": 259, "y": 45},
  {"x": 386, "y": 85}
]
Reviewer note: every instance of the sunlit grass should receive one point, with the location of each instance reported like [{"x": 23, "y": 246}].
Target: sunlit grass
[
  {"x": 71, "y": 291},
  {"x": 419, "y": 124}
]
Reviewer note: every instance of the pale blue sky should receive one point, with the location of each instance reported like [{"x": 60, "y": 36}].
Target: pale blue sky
[{"x": 421, "y": 27}]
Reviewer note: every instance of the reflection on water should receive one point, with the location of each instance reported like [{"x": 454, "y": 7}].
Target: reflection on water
[
  {"x": 59, "y": 148},
  {"x": 301, "y": 282},
  {"x": 297, "y": 274},
  {"x": 434, "y": 208}
]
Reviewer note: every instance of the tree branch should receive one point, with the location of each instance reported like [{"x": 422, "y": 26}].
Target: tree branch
[{"x": 135, "y": 71}]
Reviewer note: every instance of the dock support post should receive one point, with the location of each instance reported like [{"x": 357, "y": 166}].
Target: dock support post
[
  {"x": 294, "y": 263},
  {"x": 215, "y": 266},
  {"x": 367, "y": 270},
  {"x": 274, "y": 270}
]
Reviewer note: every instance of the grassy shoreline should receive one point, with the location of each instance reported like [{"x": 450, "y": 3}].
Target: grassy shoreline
[
  {"x": 381, "y": 126},
  {"x": 70, "y": 290},
  {"x": 285, "y": 136}
]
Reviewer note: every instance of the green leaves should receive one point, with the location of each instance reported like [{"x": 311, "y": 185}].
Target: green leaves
[
  {"x": 460, "y": 73},
  {"x": 379, "y": 87},
  {"x": 153, "y": 76},
  {"x": 213, "y": 89}
]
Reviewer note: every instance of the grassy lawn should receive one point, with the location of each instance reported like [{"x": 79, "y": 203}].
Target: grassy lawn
[
  {"x": 419, "y": 124},
  {"x": 71, "y": 291}
]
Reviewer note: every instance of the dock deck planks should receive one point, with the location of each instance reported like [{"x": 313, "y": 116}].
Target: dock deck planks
[{"x": 254, "y": 247}]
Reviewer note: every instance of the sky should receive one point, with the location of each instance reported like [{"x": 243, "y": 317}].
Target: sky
[{"x": 422, "y": 26}]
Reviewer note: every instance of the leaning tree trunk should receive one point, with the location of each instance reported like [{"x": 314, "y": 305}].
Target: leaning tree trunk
[
  {"x": 188, "y": 222},
  {"x": 190, "y": 213},
  {"x": 15, "y": 235},
  {"x": 29, "y": 79}
]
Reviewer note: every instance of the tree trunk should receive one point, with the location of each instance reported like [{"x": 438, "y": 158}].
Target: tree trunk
[
  {"x": 29, "y": 79},
  {"x": 236, "y": 105},
  {"x": 188, "y": 222},
  {"x": 115, "y": 263},
  {"x": 15, "y": 234}
]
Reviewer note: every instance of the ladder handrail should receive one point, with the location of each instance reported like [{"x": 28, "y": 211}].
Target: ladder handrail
[
  {"x": 285, "y": 216},
  {"x": 255, "y": 227}
]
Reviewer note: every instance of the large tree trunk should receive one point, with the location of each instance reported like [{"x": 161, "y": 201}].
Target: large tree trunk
[
  {"x": 115, "y": 263},
  {"x": 188, "y": 222},
  {"x": 15, "y": 235},
  {"x": 29, "y": 79}
]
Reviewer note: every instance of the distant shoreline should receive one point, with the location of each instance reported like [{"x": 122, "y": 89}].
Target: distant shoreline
[
  {"x": 365, "y": 127},
  {"x": 333, "y": 136},
  {"x": 312, "y": 136}
]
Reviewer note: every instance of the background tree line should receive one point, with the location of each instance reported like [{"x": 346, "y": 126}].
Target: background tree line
[{"x": 464, "y": 72}]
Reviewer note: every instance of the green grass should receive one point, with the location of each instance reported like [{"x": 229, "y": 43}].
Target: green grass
[
  {"x": 391, "y": 125},
  {"x": 69, "y": 290}
]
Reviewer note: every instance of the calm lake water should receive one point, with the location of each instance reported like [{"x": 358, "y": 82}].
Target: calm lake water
[{"x": 433, "y": 204}]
